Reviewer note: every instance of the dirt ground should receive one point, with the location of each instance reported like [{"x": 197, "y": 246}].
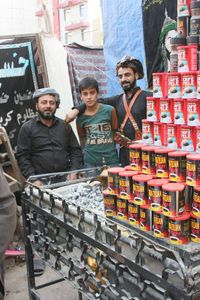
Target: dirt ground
[{"x": 16, "y": 287}]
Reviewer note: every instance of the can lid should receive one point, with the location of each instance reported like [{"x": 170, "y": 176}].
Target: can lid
[
  {"x": 160, "y": 73},
  {"x": 182, "y": 217},
  {"x": 150, "y": 148},
  {"x": 178, "y": 153},
  {"x": 108, "y": 192},
  {"x": 115, "y": 170},
  {"x": 195, "y": 5},
  {"x": 173, "y": 187},
  {"x": 142, "y": 177},
  {"x": 157, "y": 182},
  {"x": 136, "y": 146},
  {"x": 192, "y": 39},
  {"x": 193, "y": 156},
  {"x": 174, "y": 74},
  {"x": 128, "y": 173},
  {"x": 163, "y": 150},
  {"x": 188, "y": 73},
  {"x": 151, "y": 98},
  {"x": 178, "y": 40},
  {"x": 146, "y": 206},
  {"x": 130, "y": 168}
]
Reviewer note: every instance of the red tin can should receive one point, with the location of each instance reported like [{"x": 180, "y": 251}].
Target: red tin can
[
  {"x": 193, "y": 169},
  {"x": 110, "y": 203},
  {"x": 160, "y": 134},
  {"x": 160, "y": 85},
  {"x": 122, "y": 208},
  {"x": 166, "y": 110},
  {"x": 174, "y": 85},
  {"x": 187, "y": 135},
  {"x": 189, "y": 84},
  {"x": 193, "y": 112},
  {"x": 161, "y": 162},
  {"x": 155, "y": 193},
  {"x": 113, "y": 179},
  {"x": 177, "y": 166},
  {"x": 148, "y": 159},
  {"x": 173, "y": 199},
  {"x": 173, "y": 136},
  {"x": 179, "y": 229},
  {"x": 180, "y": 111},
  {"x": 147, "y": 131},
  {"x": 198, "y": 84},
  {"x": 153, "y": 113},
  {"x": 195, "y": 228},
  {"x": 133, "y": 214},
  {"x": 187, "y": 58},
  {"x": 196, "y": 201},
  {"x": 135, "y": 156},
  {"x": 145, "y": 218},
  {"x": 160, "y": 225},
  {"x": 140, "y": 189},
  {"x": 126, "y": 184}
]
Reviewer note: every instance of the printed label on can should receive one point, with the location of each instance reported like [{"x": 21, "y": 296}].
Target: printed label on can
[
  {"x": 183, "y": 8},
  {"x": 140, "y": 193},
  {"x": 148, "y": 162},
  {"x": 135, "y": 157},
  {"x": 177, "y": 168},
  {"x": 160, "y": 225},
  {"x": 195, "y": 229},
  {"x": 198, "y": 85},
  {"x": 196, "y": 203},
  {"x": 179, "y": 231},
  {"x": 198, "y": 139},
  {"x": 179, "y": 112},
  {"x": 145, "y": 219},
  {"x": 122, "y": 208},
  {"x": 147, "y": 132},
  {"x": 189, "y": 85},
  {"x": 152, "y": 110},
  {"x": 155, "y": 197},
  {"x": 191, "y": 172},
  {"x": 193, "y": 112},
  {"x": 110, "y": 204},
  {"x": 161, "y": 162},
  {"x": 187, "y": 138},
  {"x": 113, "y": 183},
  {"x": 172, "y": 137},
  {"x": 165, "y": 111},
  {"x": 125, "y": 187},
  {"x": 174, "y": 86},
  {"x": 173, "y": 203},
  {"x": 157, "y": 88},
  {"x": 133, "y": 214}
]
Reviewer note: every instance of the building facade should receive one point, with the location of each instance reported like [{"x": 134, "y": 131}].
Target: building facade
[{"x": 78, "y": 21}]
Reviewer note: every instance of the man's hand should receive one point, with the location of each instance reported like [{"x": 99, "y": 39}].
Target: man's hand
[
  {"x": 71, "y": 116},
  {"x": 38, "y": 183}
]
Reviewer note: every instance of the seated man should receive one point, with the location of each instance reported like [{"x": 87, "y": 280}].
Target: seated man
[
  {"x": 8, "y": 214},
  {"x": 45, "y": 144}
]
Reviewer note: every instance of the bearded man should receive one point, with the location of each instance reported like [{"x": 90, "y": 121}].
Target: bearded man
[
  {"x": 45, "y": 144},
  {"x": 130, "y": 106}
]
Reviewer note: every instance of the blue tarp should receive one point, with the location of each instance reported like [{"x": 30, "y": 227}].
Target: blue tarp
[{"x": 122, "y": 35}]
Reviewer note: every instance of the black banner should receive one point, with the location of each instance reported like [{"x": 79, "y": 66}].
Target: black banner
[
  {"x": 159, "y": 25},
  {"x": 18, "y": 80}
]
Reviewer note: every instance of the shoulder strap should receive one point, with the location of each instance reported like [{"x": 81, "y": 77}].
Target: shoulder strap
[{"x": 129, "y": 115}]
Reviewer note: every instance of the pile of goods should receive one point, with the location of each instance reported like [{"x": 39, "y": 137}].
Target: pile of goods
[{"x": 160, "y": 190}]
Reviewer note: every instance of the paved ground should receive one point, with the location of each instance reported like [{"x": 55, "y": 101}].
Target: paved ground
[{"x": 16, "y": 284}]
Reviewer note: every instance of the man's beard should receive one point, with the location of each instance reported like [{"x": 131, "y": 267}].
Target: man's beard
[
  {"x": 46, "y": 115},
  {"x": 128, "y": 87}
]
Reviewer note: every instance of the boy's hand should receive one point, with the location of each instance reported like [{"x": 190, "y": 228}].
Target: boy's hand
[{"x": 71, "y": 116}]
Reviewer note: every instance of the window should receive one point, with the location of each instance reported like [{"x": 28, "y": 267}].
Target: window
[
  {"x": 68, "y": 37},
  {"x": 82, "y": 10},
  {"x": 67, "y": 16},
  {"x": 83, "y": 34}
]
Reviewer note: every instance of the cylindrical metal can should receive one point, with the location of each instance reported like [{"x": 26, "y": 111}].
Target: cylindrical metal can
[
  {"x": 110, "y": 203},
  {"x": 161, "y": 162},
  {"x": 113, "y": 179},
  {"x": 155, "y": 193},
  {"x": 195, "y": 228},
  {"x": 148, "y": 159},
  {"x": 140, "y": 189},
  {"x": 179, "y": 229},
  {"x": 173, "y": 199},
  {"x": 160, "y": 225},
  {"x": 135, "y": 156},
  {"x": 133, "y": 213},
  {"x": 177, "y": 166},
  {"x": 122, "y": 208},
  {"x": 193, "y": 169},
  {"x": 196, "y": 201},
  {"x": 145, "y": 218},
  {"x": 126, "y": 184}
]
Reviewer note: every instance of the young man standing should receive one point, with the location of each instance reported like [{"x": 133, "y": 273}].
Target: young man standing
[{"x": 96, "y": 127}]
